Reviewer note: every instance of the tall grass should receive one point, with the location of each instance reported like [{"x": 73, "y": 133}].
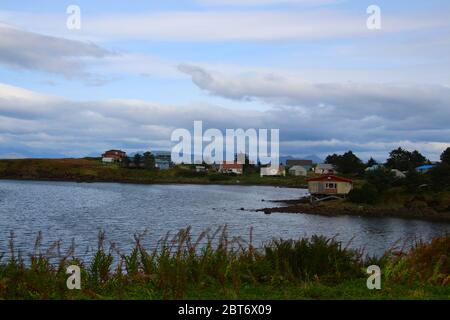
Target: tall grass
[
  {"x": 426, "y": 263},
  {"x": 182, "y": 263}
]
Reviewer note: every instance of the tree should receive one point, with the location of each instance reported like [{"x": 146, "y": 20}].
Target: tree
[
  {"x": 148, "y": 160},
  {"x": 348, "y": 163},
  {"x": 414, "y": 180},
  {"x": 372, "y": 162},
  {"x": 445, "y": 156},
  {"x": 440, "y": 176},
  {"x": 404, "y": 160},
  {"x": 125, "y": 162},
  {"x": 398, "y": 159},
  {"x": 366, "y": 194},
  {"x": 333, "y": 159},
  {"x": 382, "y": 179},
  {"x": 417, "y": 159},
  {"x": 137, "y": 160}
]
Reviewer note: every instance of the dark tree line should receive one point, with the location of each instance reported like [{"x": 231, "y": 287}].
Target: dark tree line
[
  {"x": 403, "y": 160},
  {"x": 146, "y": 161},
  {"x": 379, "y": 181},
  {"x": 348, "y": 163}
]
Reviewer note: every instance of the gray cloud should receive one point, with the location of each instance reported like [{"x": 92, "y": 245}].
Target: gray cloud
[
  {"x": 416, "y": 109},
  {"x": 31, "y": 51},
  {"x": 45, "y": 125}
]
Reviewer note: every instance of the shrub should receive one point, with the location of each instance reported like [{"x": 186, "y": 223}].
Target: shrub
[
  {"x": 414, "y": 180},
  {"x": 366, "y": 194},
  {"x": 191, "y": 174},
  {"x": 180, "y": 263},
  {"x": 440, "y": 176},
  {"x": 219, "y": 177},
  {"x": 425, "y": 263},
  {"x": 381, "y": 178}
]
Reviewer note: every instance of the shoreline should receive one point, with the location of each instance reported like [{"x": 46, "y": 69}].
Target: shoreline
[
  {"x": 161, "y": 182},
  {"x": 302, "y": 206}
]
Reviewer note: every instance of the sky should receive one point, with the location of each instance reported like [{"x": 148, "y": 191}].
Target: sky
[{"x": 137, "y": 70}]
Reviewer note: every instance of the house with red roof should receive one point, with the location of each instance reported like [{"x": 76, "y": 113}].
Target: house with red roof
[
  {"x": 231, "y": 167},
  {"x": 113, "y": 156},
  {"x": 329, "y": 185}
]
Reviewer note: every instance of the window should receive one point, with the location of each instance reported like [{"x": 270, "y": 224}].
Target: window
[{"x": 330, "y": 186}]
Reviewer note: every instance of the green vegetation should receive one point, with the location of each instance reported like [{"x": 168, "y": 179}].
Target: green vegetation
[
  {"x": 423, "y": 191},
  {"x": 366, "y": 194},
  {"x": 348, "y": 163},
  {"x": 404, "y": 160},
  {"x": 213, "y": 266},
  {"x": 93, "y": 170}
]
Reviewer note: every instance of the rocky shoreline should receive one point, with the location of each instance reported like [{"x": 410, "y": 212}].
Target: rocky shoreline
[{"x": 302, "y": 206}]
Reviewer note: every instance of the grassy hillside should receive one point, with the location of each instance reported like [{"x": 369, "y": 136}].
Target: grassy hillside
[{"x": 91, "y": 170}]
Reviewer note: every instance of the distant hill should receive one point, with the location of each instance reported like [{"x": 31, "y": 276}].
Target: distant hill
[{"x": 314, "y": 158}]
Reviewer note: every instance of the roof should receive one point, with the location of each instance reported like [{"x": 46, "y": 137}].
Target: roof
[
  {"x": 227, "y": 165},
  {"x": 298, "y": 168},
  {"x": 294, "y": 162},
  {"x": 325, "y": 166},
  {"x": 375, "y": 167},
  {"x": 427, "y": 166},
  {"x": 113, "y": 150},
  {"x": 330, "y": 177}
]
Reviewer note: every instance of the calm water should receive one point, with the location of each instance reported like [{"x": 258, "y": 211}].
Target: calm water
[{"x": 63, "y": 210}]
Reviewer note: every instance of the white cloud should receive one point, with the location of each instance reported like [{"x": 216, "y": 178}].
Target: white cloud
[
  {"x": 351, "y": 100},
  {"x": 77, "y": 128},
  {"x": 210, "y": 25},
  {"x": 25, "y": 50},
  {"x": 244, "y": 3}
]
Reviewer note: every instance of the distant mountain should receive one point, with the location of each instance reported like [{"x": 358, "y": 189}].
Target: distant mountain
[{"x": 313, "y": 158}]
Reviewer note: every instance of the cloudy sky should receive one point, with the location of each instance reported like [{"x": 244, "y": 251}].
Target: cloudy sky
[{"x": 137, "y": 70}]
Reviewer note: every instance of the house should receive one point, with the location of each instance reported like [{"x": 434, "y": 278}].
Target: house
[
  {"x": 200, "y": 169},
  {"x": 298, "y": 171},
  {"x": 324, "y": 168},
  {"x": 398, "y": 174},
  {"x": 235, "y": 168},
  {"x": 307, "y": 164},
  {"x": 111, "y": 156},
  {"x": 163, "y": 159},
  {"x": 329, "y": 185},
  {"x": 162, "y": 164},
  {"x": 424, "y": 168},
  {"x": 273, "y": 171},
  {"x": 374, "y": 167},
  {"x": 163, "y": 155}
]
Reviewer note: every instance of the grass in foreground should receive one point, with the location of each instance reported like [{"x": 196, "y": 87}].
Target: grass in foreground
[{"x": 213, "y": 266}]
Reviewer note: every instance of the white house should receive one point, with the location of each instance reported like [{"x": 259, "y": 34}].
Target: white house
[
  {"x": 298, "y": 171},
  {"x": 374, "y": 167},
  {"x": 270, "y": 171},
  {"x": 200, "y": 169},
  {"x": 108, "y": 160},
  {"x": 398, "y": 174},
  {"x": 324, "y": 168}
]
